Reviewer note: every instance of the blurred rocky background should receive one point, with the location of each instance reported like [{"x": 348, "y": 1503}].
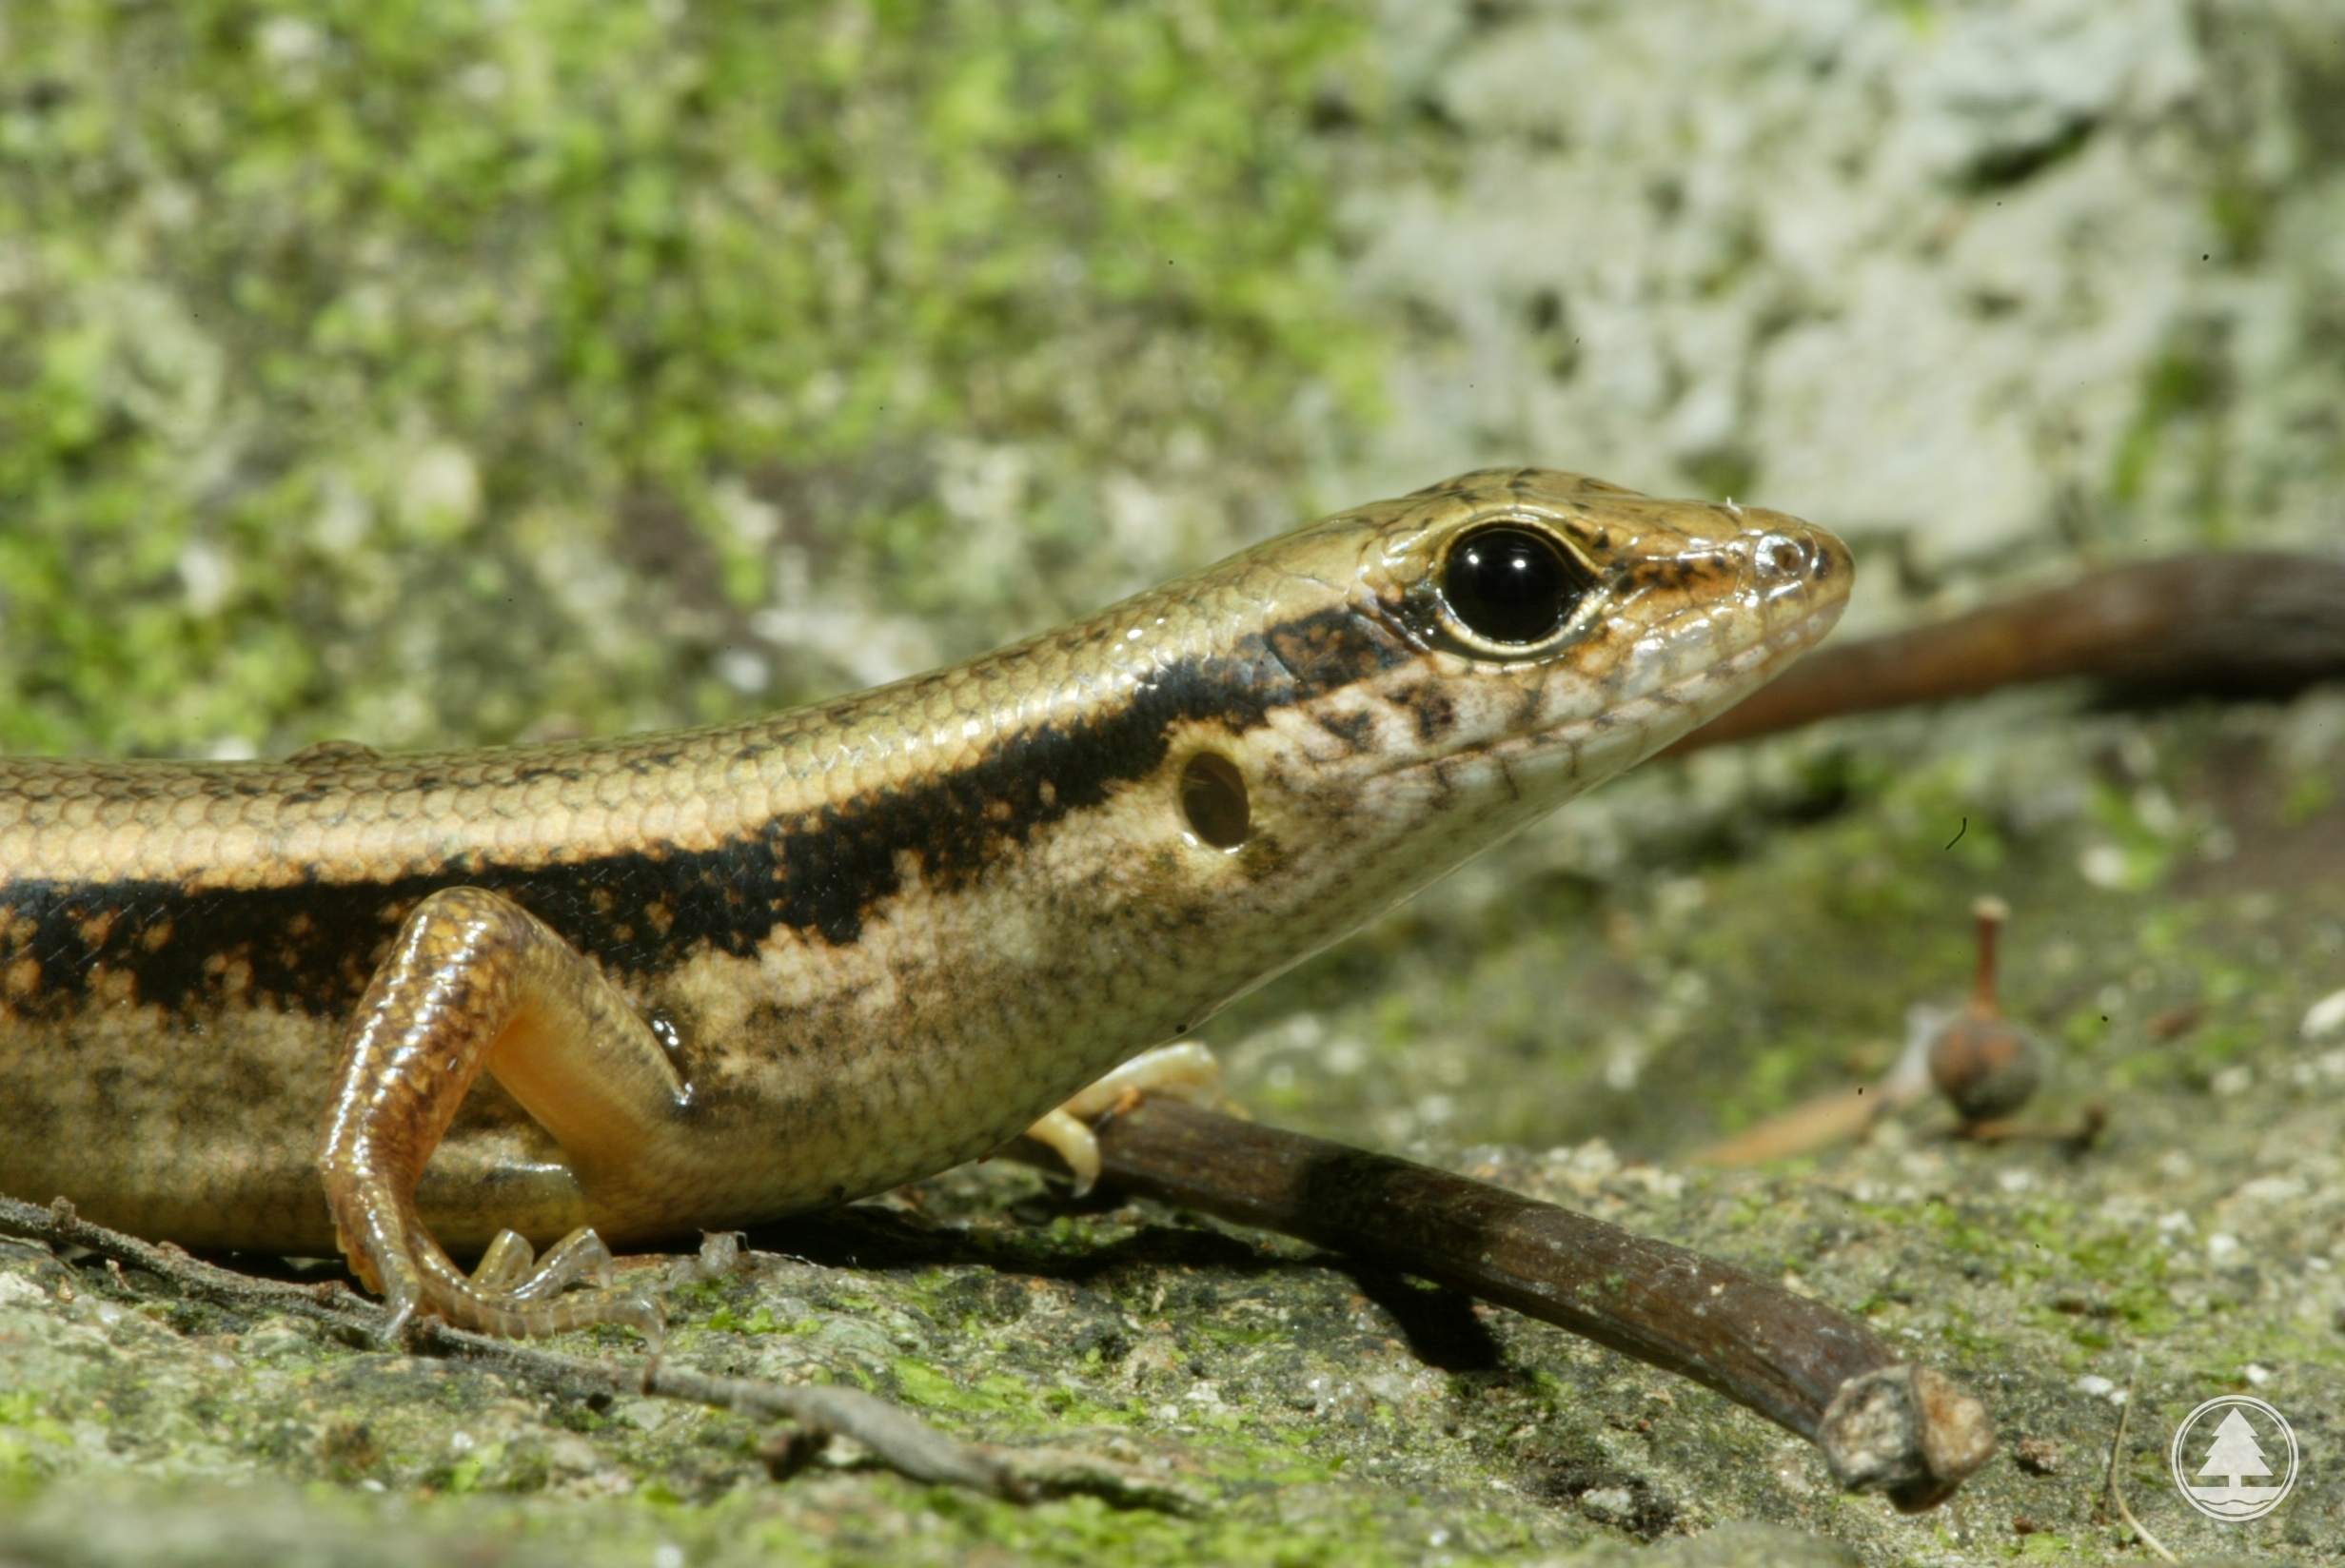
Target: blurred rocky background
[{"x": 447, "y": 373}]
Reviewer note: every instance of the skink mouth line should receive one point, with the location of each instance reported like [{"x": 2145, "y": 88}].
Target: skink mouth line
[{"x": 1772, "y": 651}]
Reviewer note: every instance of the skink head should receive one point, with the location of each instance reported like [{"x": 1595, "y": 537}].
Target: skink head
[
  {"x": 1438, "y": 671},
  {"x": 1556, "y": 628}
]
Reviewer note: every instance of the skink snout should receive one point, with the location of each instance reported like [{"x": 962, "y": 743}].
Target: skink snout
[{"x": 1791, "y": 557}]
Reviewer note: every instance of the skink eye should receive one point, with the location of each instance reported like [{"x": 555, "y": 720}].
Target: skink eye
[{"x": 1511, "y": 584}]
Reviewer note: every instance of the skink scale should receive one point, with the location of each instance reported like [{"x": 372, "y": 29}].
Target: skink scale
[{"x": 706, "y": 979}]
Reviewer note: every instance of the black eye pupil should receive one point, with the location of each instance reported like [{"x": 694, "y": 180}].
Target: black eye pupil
[{"x": 1511, "y": 584}]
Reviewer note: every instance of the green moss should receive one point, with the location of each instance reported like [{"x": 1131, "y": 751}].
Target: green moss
[
  {"x": 2309, "y": 795},
  {"x": 2240, "y": 214},
  {"x": 357, "y": 362},
  {"x": 2179, "y": 436},
  {"x": 761, "y": 1321}
]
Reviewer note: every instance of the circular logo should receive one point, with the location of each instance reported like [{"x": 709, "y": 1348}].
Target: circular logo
[{"x": 2233, "y": 1459}]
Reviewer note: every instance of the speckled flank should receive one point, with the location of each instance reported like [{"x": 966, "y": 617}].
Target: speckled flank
[{"x": 869, "y": 939}]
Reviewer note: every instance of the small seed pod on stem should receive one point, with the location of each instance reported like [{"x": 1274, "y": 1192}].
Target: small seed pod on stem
[{"x": 1986, "y": 1067}]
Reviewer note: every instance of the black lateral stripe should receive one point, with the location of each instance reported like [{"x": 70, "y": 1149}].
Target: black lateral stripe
[{"x": 312, "y": 946}]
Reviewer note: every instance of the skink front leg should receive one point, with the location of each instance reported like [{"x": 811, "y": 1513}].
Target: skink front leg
[{"x": 476, "y": 981}]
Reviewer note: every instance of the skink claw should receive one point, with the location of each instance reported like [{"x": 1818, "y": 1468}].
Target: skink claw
[{"x": 1185, "y": 1071}]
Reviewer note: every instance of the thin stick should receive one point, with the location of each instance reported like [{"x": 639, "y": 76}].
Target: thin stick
[
  {"x": 897, "y": 1439},
  {"x": 906, "y": 1444},
  {"x": 1882, "y": 1426},
  {"x": 1989, "y": 915},
  {"x": 2117, "y": 1492},
  {"x": 2220, "y": 624},
  {"x": 334, "y": 1304}
]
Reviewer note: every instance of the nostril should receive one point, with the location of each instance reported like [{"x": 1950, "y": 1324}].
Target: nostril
[{"x": 1786, "y": 557}]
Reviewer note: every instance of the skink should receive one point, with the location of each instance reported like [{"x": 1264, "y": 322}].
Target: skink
[{"x": 627, "y": 988}]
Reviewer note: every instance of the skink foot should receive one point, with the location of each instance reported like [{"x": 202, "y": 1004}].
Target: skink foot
[{"x": 1185, "y": 1070}]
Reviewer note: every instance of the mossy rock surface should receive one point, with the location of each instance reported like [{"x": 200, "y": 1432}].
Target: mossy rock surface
[{"x": 1314, "y": 1410}]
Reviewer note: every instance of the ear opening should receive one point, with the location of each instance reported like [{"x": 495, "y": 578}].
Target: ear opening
[{"x": 1214, "y": 799}]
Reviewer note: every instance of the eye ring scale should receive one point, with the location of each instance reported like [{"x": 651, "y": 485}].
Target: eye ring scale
[{"x": 1512, "y": 585}]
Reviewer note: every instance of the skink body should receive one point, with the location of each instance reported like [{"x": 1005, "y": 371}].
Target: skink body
[{"x": 714, "y": 977}]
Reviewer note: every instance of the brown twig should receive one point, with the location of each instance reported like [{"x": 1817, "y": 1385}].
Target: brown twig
[
  {"x": 1882, "y": 1426},
  {"x": 2248, "y": 622},
  {"x": 1843, "y": 1116}
]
